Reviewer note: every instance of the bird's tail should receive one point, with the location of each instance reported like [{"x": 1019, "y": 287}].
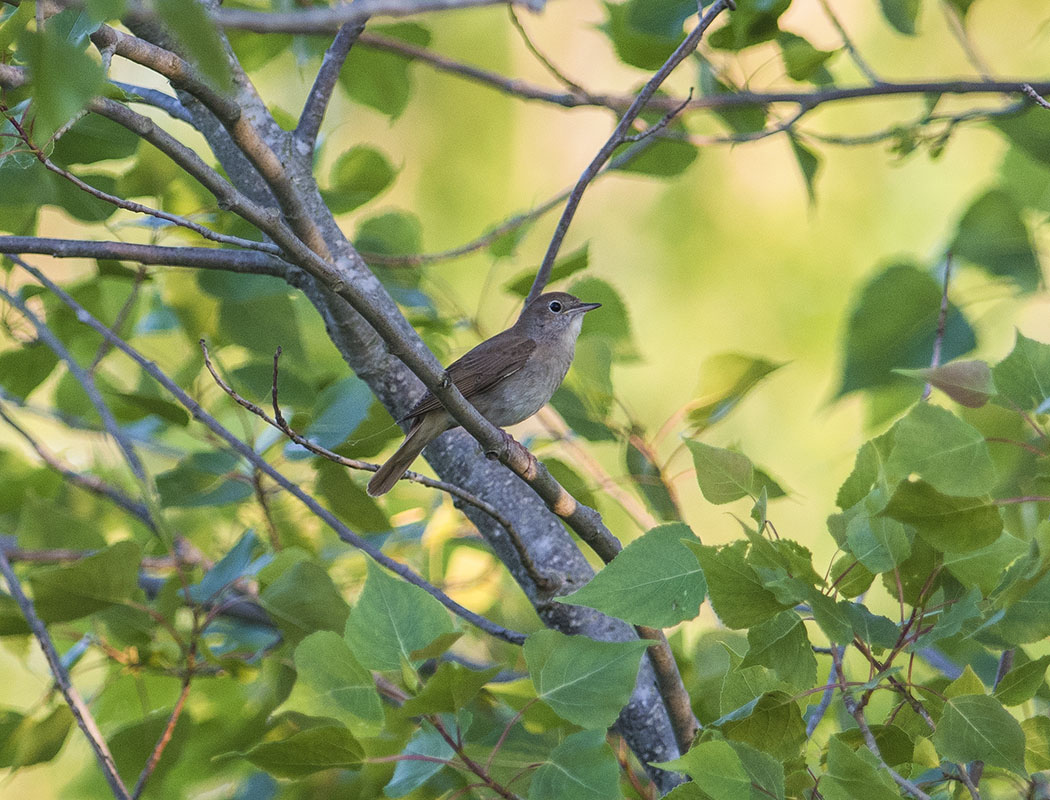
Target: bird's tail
[{"x": 390, "y": 473}]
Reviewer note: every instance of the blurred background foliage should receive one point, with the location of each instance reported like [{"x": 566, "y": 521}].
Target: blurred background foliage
[{"x": 796, "y": 270}]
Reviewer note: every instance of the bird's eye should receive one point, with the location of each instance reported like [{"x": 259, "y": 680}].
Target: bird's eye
[{"x": 554, "y": 306}]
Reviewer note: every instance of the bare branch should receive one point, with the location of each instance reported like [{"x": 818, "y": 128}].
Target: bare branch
[
  {"x": 1036, "y": 97},
  {"x": 330, "y": 19},
  {"x": 558, "y": 75},
  {"x": 157, "y": 99},
  {"x": 90, "y": 483},
  {"x": 253, "y": 458},
  {"x": 169, "y": 729},
  {"x": 942, "y": 320},
  {"x": 278, "y": 421},
  {"x": 687, "y": 46},
  {"x": 847, "y": 42},
  {"x": 246, "y": 261},
  {"x": 131, "y": 205},
  {"x": 321, "y": 92},
  {"x": 73, "y": 699},
  {"x": 87, "y": 383}
]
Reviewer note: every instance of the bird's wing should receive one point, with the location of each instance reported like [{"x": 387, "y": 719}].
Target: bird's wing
[{"x": 481, "y": 368}]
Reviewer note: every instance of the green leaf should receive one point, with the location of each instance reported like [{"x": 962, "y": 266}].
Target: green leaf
[
  {"x": 808, "y": 163},
  {"x": 64, "y": 77},
  {"x": 188, "y": 20},
  {"x": 774, "y": 726},
  {"x": 993, "y": 235},
  {"x": 395, "y": 233},
  {"x": 1020, "y": 684},
  {"x": 644, "y": 468},
  {"x": 893, "y": 325},
  {"x": 1037, "y": 743},
  {"x": 801, "y": 59},
  {"x": 948, "y": 524},
  {"x": 715, "y": 768},
  {"x": 410, "y": 774},
  {"x": 853, "y": 774},
  {"x": 22, "y": 370},
  {"x": 201, "y": 480},
  {"x": 664, "y": 158},
  {"x": 16, "y": 22},
  {"x": 94, "y": 138},
  {"x": 751, "y": 23},
  {"x": 1028, "y": 132},
  {"x": 302, "y": 600},
  {"x": 583, "y": 766},
  {"x": 1023, "y": 377},
  {"x": 654, "y": 581},
  {"x": 67, "y": 592},
  {"x": 584, "y": 681},
  {"x": 978, "y": 728},
  {"x": 725, "y": 379},
  {"x": 737, "y": 594},
  {"x": 347, "y": 500},
  {"x": 565, "y": 266},
  {"x": 782, "y": 645},
  {"x": 574, "y": 484},
  {"x": 25, "y": 741},
  {"x": 875, "y": 629},
  {"x": 449, "y": 689},
  {"x": 646, "y": 32},
  {"x": 391, "y": 620},
  {"x": 968, "y": 383},
  {"x": 308, "y": 751},
  {"x": 723, "y": 475},
  {"x": 832, "y": 616},
  {"x": 949, "y": 454},
  {"x": 611, "y": 321},
  {"x": 902, "y": 14},
  {"x": 576, "y": 415},
  {"x": 229, "y": 568},
  {"x": 330, "y": 681},
  {"x": 358, "y": 175},
  {"x": 338, "y": 410},
  {"x": 380, "y": 79}
]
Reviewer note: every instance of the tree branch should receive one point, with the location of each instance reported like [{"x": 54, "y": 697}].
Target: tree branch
[
  {"x": 250, "y": 262},
  {"x": 687, "y": 46},
  {"x": 73, "y": 699},
  {"x": 330, "y": 19},
  {"x": 253, "y": 458},
  {"x": 321, "y": 92}
]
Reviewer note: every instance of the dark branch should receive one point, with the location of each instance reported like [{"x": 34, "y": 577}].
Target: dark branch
[
  {"x": 687, "y": 46},
  {"x": 73, "y": 699},
  {"x": 247, "y": 261},
  {"x": 321, "y": 92},
  {"x": 253, "y": 458}
]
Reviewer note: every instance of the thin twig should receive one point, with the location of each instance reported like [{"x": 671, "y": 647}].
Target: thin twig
[
  {"x": 165, "y": 737},
  {"x": 73, "y": 699},
  {"x": 253, "y": 458},
  {"x": 817, "y": 714},
  {"x": 280, "y": 423},
  {"x": 942, "y": 321},
  {"x": 131, "y": 205},
  {"x": 558, "y": 75},
  {"x": 152, "y": 97},
  {"x": 687, "y": 46},
  {"x": 90, "y": 483},
  {"x": 663, "y": 123},
  {"x": 1034, "y": 95},
  {"x": 869, "y": 738},
  {"x": 321, "y": 92},
  {"x": 246, "y": 261},
  {"x": 851, "y": 48},
  {"x": 958, "y": 29},
  {"x": 120, "y": 319}
]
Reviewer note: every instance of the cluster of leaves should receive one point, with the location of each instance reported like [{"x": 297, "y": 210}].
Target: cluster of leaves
[{"x": 922, "y": 622}]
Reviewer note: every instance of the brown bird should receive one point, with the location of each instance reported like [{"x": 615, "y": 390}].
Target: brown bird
[{"x": 508, "y": 378}]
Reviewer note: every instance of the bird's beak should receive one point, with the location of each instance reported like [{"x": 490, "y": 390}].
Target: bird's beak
[{"x": 585, "y": 307}]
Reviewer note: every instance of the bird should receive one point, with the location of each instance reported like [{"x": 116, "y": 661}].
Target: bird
[{"x": 508, "y": 378}]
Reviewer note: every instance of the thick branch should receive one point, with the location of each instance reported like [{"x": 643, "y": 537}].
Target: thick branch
[{"x": 73, "y": 699}]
